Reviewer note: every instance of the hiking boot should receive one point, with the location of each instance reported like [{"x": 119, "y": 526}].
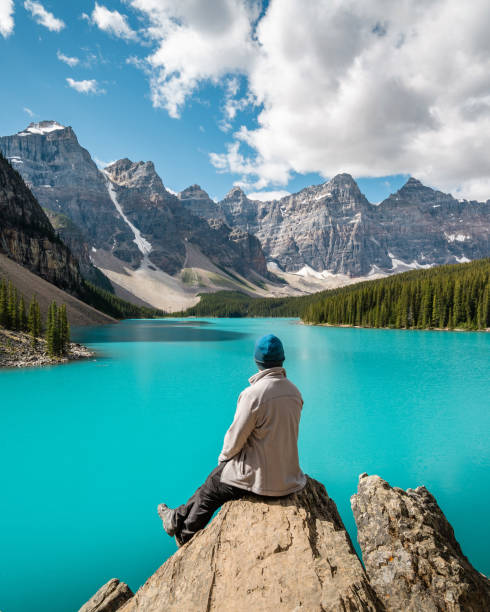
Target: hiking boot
[{"x": 167, "y": 516}]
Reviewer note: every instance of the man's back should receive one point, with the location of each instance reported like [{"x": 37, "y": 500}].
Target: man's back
[
  {"x": 260, "y": 450},
  {"x": 261, "y": 445}
]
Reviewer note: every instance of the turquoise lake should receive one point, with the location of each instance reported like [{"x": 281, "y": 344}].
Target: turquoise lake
[{"x": 89, "y": 449}]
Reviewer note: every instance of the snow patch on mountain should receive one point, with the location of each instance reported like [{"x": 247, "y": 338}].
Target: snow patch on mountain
[
  {"x": 43, "y": 127},
  {"x": 402, "y": 266},
  {"x": 307, "y": 271},
  {"x": 143, "y": 245},
  {"x": 456, "y": 237}
]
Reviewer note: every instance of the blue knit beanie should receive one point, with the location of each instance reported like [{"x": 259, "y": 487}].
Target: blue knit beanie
[{"x": 269, "y": 351}]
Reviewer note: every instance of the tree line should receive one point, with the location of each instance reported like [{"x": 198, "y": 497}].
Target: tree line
[
  {"x": 448, "y": 297},
  {"x": 13, "y": 316},
  {"x": 445, "y": 297},
  {"x": 114, "y": 306}
]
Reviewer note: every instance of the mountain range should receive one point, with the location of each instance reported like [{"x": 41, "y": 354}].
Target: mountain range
[{"x": 153, "y": 247}]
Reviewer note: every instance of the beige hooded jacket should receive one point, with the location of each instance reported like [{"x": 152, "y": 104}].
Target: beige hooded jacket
[{"x": 261, "y": 445}]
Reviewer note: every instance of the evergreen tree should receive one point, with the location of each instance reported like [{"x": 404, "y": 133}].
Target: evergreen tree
[
  {"x": 3, "y": 304},
  {"x": 11, "y": 306},
  {"x": 21, "y": 315},
  {"x": 52, "y": 331},
  {"x": 64, "y": 329},
  {"x": 34, "y": 321},
  {"x": 457, "y": 304}
]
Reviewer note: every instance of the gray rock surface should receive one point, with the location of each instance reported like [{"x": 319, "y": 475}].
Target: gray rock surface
[
  {"x": 326, "y": 227},
  {"x": 333, "y": 227},
  {"x": 329, "y": 227},
  {"x": 198, "y": 202},
  {"x": 263, "y": 554},
  {"x": 168, "y": 225},
  {"x": 66, "y": 181},
  {"x": 76, "y": 241},
  {"x": 27, "y": 236},
  {"x": 109, "y": 597},
  {"x": 411, "y": 555}
]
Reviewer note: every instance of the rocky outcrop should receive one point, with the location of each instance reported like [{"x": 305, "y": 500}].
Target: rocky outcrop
[
  {"x": 198, "y": 202},
  {"x": 291, "y": 553},
  {"x": 411, "y": 555},
  {"x": 17, "y": 351},
  {"x": 27, "y": 236},
  {"x": 109, "y": 597}
]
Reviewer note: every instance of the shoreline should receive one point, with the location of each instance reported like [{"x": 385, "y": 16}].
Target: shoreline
[
  {"x": 431, "y": 329},
  {"x": 339, "y": 325},
  {"x": 16, "y": 351}
]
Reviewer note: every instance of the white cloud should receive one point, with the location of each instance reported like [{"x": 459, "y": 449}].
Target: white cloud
[
  {"x": 44, "y": 17},
  {"x": 196, "y": 42},
  {"x": 6, "y": 17},
  {"x": 267, "y": 196},
  {"x": 233, "y": 103},
  {"x": 112, "y": 22},
  {"x": 88, "y": 86},
  {"x": 29, "y": 111},
  {"x": 373, "y": 87},
  {"x": 71, "y": 61}
]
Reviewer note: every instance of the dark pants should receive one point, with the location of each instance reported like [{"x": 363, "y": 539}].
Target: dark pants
[{"x": 197, "y": 512}]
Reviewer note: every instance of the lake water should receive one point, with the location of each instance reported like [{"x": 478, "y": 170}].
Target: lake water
[{"x": 89, "y": 449}]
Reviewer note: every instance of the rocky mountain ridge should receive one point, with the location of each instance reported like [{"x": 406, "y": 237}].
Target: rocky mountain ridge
[
  {"x": 333, "y": 228},
  {"x": 152, "y": 243},
  {"x": 131, "y": 227},
  {"x": 293, "y": 553}
]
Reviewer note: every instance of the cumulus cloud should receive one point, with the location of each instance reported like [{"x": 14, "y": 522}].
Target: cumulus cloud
[
  {"x": 71, "y": 61},
  {"x": 196, "y": 42},
  {"x": 44, "y": 17},
  {"x": 88, "y": 86},
  {"x": 6, "y": 17},
  {"x": 112, "y": 22},
  {"x": 373, "y": 87}
]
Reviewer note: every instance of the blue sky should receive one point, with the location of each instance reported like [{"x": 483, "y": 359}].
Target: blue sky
[{"x": 272, "y": 96}]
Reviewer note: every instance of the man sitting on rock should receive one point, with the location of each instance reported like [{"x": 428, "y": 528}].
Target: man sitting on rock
[{"x": 260, "y": 449}]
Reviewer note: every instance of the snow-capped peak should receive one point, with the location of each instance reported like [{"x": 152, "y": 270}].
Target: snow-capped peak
[{"x": 42, "y": 127}]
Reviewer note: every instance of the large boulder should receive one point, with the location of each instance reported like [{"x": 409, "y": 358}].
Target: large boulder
[
  {"x": 412, "y": 558},
  {"x": 109, "y": 597},
  {"x": 291, "y": 553}
]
